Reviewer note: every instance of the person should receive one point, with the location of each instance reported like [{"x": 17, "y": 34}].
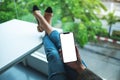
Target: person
[{"x": 57, "y": 69}]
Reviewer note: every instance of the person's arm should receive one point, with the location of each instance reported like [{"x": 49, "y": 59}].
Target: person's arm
[{"x": 84, "y": 73}]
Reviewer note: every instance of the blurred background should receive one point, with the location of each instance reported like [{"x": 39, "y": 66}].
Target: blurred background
[
  {"x": 93, "y": 22},
  {"x": 89, "y": 17}
]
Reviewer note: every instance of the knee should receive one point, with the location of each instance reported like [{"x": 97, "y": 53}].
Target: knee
[{"x": 52, "y": 55}]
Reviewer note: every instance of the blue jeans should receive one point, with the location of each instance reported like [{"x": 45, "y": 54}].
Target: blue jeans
[
  {"x": 55, "y": 64},
  {"x": 57, "y": 69}
]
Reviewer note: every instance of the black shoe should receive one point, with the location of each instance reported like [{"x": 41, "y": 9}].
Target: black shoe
[
  {"x": 34, "y": 9},
  {"x": 49, "y": 10}
]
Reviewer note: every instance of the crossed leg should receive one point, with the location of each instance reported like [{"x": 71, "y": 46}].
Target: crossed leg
[
  {"x": 45, "y": 25},
  {"x": 52, "y": 54},
  {"x": 47, "y": 15},
  {"x": 55, "y": 64}
]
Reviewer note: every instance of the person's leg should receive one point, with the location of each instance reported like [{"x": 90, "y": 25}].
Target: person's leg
[
  {"x": 48, "y": 28},
  {"x": 45, "y": 25},
  {"x": 48, "y": 16},
  {"x": 55, "y": 64},
  {"x": 55, "y": 38}
]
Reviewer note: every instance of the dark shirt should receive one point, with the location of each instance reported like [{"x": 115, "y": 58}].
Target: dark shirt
[{"x": 88, "y": 75}]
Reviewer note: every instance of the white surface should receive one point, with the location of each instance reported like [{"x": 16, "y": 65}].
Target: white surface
[
  {"x": 40, "y": 56},
  {"x": 68, "y": 47},
  {"x": 38, "y": 61},
  {"x": 17, "y": 39}
]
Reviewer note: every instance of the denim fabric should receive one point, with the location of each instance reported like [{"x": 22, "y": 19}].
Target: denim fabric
[
  {"x": 55, "y": 38},
  {"x": 57, "y": 69},
  {"x": 55, "y": 65}
]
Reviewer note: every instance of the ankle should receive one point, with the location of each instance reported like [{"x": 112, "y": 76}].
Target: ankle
[{"x": 48, "y": 17}]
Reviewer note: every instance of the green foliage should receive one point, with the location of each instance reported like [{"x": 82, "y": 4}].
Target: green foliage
[
  {"x": 66, "y": 11},
  {"x": 111, "y": 19},
  {"x": 80, "y": 29},
  {"x": 88, "y": 23},
  {"x": 10, "y": 10},
  {"x": 115, "y": 38},
  {"x": 29, "y": 18},
  {"x": 116, "y": 33},
  {"x": 6, "y": 11},
  {"x": 102, "y": 32}
]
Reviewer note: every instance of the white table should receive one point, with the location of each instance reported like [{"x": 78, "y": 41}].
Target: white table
[{"x": 17, "y": 40}]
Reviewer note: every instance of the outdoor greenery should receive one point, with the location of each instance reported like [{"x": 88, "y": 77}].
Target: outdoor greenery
[
  {"x": 116, "y": 35},
  {"x": 102, "y": 32},
  {"x": 111, "y": 19},
  {"x": 79, "y": 16},
  {"x": 6, "y": 11}
]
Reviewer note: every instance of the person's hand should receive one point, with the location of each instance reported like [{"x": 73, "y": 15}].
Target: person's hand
[{"x": 76, "y": 65}]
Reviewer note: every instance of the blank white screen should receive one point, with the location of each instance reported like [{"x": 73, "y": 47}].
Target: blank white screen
[{"x": 68, "y": 47}]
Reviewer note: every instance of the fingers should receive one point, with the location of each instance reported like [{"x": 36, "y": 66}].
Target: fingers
[
  {"x": 78, "y": 55},
  {"x": 60, "y": 53}
]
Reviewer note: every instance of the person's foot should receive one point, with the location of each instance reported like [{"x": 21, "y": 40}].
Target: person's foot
[
  {"x": 36, "y": 11},
  {"x": 47, "y": 15}
]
